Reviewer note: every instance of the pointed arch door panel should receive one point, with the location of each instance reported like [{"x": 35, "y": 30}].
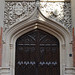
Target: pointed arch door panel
[{"x": 37, "y": 53}]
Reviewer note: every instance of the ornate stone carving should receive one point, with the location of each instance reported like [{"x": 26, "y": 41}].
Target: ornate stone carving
[
  {"x": 14, "y": 11},
  {"x": 18, "y": 8},
  {"x": 58, "y": 11}
]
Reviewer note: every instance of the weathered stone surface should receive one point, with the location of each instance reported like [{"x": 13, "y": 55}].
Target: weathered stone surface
[
  {"x": 58, "y": 11},
  {"x": 14, "y": 11}
]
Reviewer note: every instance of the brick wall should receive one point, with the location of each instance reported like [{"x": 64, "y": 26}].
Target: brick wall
[
  {"x": 73, "y": 48},
  {"x": 0, "y": 45}
]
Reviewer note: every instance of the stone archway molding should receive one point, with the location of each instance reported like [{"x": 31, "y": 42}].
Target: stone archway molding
[{"x": 36, "y": 20}]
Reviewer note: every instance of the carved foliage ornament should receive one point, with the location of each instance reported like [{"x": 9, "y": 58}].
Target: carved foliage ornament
[
  {"x": 58, "y": 11},
  {"x": 14, "y": 11}
]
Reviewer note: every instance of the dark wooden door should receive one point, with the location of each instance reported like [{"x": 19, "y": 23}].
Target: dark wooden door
[{"x": 37, "y": 53}]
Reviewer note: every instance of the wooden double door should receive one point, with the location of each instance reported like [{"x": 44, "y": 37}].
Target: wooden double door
[{"x": 37, "y": 53}]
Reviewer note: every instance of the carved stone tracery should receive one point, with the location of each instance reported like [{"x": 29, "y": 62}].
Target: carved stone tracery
[
  {"x": 14, "y": 11},
  {"x": 58, "y": 11}
]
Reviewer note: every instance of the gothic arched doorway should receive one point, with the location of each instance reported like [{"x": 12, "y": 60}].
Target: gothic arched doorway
[{"x": 37, "y": 53}]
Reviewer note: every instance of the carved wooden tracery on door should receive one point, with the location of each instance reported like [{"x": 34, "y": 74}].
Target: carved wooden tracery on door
[{"x": 37, "y": 53}]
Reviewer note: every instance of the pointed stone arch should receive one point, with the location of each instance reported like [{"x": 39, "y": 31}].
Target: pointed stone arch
[{"x": 32, "y": 22}]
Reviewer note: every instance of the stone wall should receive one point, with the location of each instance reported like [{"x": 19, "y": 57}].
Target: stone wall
[
  {"x": 2, "y": 3},
  {"x": 73, "y": 23},
  {"x": 0, "y": 45},
  {"x": 73, "y": 48}
]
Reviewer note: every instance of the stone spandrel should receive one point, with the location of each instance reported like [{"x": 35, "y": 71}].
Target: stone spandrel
[
  {"x": 58, "y": 11},
  {"x": 14, "y": 11}
]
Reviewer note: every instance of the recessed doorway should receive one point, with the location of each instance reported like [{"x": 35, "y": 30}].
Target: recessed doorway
[{"x": 37, "y": 53}]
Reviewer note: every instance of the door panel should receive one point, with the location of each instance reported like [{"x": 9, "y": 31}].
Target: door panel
[{"x": 37, "y": 53}]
